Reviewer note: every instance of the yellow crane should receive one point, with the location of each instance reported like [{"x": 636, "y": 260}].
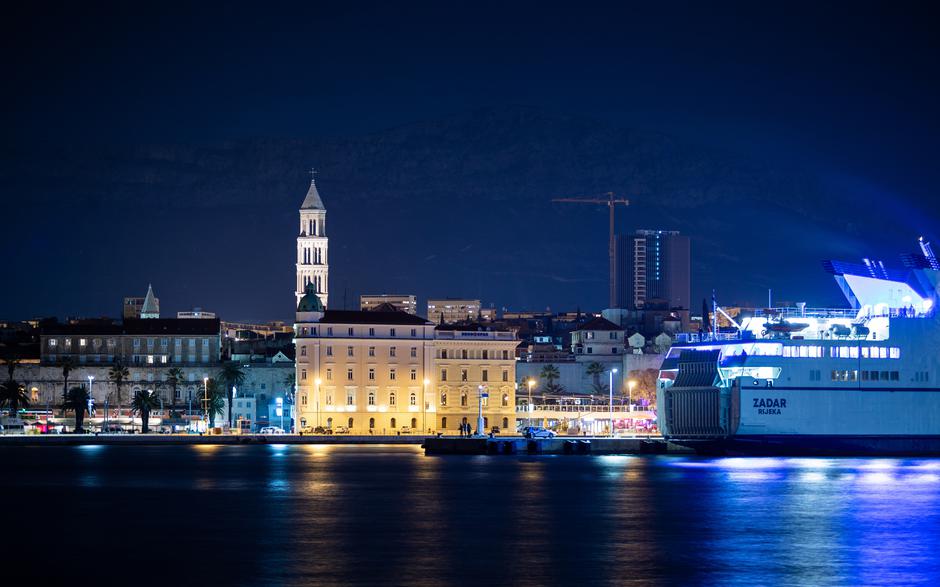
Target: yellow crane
[{"x": 610, "y": 200}]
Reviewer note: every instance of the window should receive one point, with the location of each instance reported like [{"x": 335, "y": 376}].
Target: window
[
  {"x": 372, "y": 332},
  {"x": 303, "y": 374},
  {"x": 350, "y": 425},
  {"x": 463, "y": 399},
  {"x": 414, "y": 423},
  {"x": 350, "y": 398},
  {"x": 414, "y": 351},
  {"x": 443, "y": 374},
  {"x": 895, "y": 353},
  {"x": 505, "y": 375},
  {"x": 329, "y": 331},
  {"x": 463, "y": 353},
  {"x": 486, "y": 375},
  {"x": 414, "y": 375},
  {"x": 391, "y": 374},
  {"x": 463, "y": 375},
  {"x": 349, "y": 351},
  {"x": 443, "y": 351},
  {"x": 329, "y": 375},
  {"x": 329, "y": 351},
  {"x": 412, "y": 400},
  {"x": 303, "y": 399},
  {"x": 443, "y": 398},
  {"x": 505, "y": 399},
  {"x": 444, "y": 423},
  {"x": 613, "y": 335},
  {"x": 371, "y": 374},
  {"x": 393, "y": 423},
  {"x": 589, "y": 335},
  {"x": 391, "y": 402},
  {"x": 505, "y": 355},
  {"x": 392, "y": 333},
  {"x": 371, "y": 398},
  {"x": 329, "y": 399},
  {"x": 414, "y": 332},
  {"x": 371, "y": 351},
  {"x": 52, "y": 343},
  {"x": 303, "y": 351},
  {"x": 391, "y": 351},
  {"x": 371, "y": 423},
  {"x": 349, "y": 374},
  {"x": 505, "y": 423},
  {"x": 486, "y": 354}
]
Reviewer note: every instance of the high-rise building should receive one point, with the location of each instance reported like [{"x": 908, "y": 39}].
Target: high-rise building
[
  {"x": 653, "y": 267},
  {"x": 312, "y": 264},
  {"x": 403, "y": 302}
]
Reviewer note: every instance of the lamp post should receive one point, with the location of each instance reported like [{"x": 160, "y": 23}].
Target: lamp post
[
  {"x": 90, "y": 395},
  {"x": 530, "y": 383},
  {"x": 424, "y": 406},
  {"x": 611, "y": 404},
  {"x": 205, "y": 387},
  {"x": 483, "y": 394},
  {"x": 316, "y": 394}
]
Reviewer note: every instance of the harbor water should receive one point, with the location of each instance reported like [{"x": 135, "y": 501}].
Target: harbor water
[{"x": 389, "y": 515}]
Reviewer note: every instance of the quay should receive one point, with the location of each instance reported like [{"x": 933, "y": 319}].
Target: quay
[
  {"x": 559, "y": 445},
  {"x": 195, "y": 439}
]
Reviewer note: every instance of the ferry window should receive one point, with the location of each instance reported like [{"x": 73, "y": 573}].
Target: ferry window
[
  {"x": 843, "y": 352},
  {"x": 895, "y": 376},
  {"x": 895, "y": 352},
  {"x": 853, "y": 352},
  {"x": 864, "y": 375},
  {"x": 833, "y": 352},
  {"x": 864, "y": 352},
  {"x": 804, "y": 351},
  {"x": 882, "y": 352},
  {"x": 885, "y": 375},
  {"x": 874, "y": 375}
]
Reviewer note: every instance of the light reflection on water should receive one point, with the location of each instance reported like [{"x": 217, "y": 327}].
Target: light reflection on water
[{"x": 313, "y": 514}]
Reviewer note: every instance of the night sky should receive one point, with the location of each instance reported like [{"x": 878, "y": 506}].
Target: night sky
[{"x": 170, "y": 144}]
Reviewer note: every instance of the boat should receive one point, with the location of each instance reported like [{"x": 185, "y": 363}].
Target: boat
[{"x": 859, "y": 380}]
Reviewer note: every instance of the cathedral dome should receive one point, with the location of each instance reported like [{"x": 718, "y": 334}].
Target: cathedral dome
[{"x": 310, "y": 302}]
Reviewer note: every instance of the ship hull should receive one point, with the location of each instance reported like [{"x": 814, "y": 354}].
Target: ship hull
[{"x": 815, "y": 445}]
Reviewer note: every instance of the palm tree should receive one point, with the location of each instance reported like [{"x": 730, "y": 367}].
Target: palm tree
[
  {"x": 13, "y": 394},
  {"x": 76, "y": 400},
  {"x": 143, "y": 403},
  {"x": 67, "y": 364},
  {"x": 119, "y": 374},
  {"x": 12, "y": 361},
  {"x": 231, "y": 375},
  {"x": 290, "y": 382},
  {"x": 550, "y": 373},
  {"x": 213, "y": 401},
  {"x": 595, "y": 370},
  {"x": 175, "y": 377}
]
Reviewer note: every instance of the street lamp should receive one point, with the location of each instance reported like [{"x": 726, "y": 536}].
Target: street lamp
[
  {"x": 424, "y": 414},
  {"x": 530, "y": 383},
  {"x": 205, "y": 387},
  {"x": 316, "y": 393},
  {"x": 611, "y": 405}
]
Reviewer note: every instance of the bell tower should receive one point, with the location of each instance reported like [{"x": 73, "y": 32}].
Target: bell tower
[{"x": 312, "y": 265}]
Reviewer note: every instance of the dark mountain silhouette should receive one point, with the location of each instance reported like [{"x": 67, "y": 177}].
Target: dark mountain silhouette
[{"x": 457, "y": 207}]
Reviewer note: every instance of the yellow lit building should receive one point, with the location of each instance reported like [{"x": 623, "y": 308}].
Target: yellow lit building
[{"x": 380, "y": 372}]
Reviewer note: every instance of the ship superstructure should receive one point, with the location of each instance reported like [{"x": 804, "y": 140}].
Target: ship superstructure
[{"x": 858, "y": 380}]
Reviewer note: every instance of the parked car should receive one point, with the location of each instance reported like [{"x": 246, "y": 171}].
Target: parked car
[
  {"x": 341, "y": 430},
  {"x": 271, "y": 430},
  {"x": 494, "y": 430},
  {"x": 406, "y": 430},
  {"x": 537, "y": 432},
  {"x": 315, "y": 430}
]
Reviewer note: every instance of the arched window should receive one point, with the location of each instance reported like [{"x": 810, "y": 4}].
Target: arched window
[
  {"x": 350, "y": 423},
  {"x": 505, "y": 399},
  {"x": 505, "y": 424},
  {"x": 463, "y": 400},
  {"x": 486, "y": 422},
  {"x": 371, "y": 399},
  {"x": 414, "y": 423},
  {"x": 329, "y": 422},
  {"x": 443, "y": 398},
  {"x": 391, "y": 401},
  {"x": 444, "y": 423},
  {"x": 393, "y": 423},
  {"x": 413, "y": 400},
  {"x": 371, "y": 423}
]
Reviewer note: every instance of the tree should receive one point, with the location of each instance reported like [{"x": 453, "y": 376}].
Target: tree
[
  {"x": 595, "y": 370},
  {"x": 68, "y": 364},
  {"x": 13, "y": 394},
  {"x": 175, "y": 377},
  {"x": 213, "y": 401},
  {"x": 290, "y": 382},
  {"x": 231, "y": 375},
  {"x": 12, "y": 360},
  {"x": 76, "y": 400},
  {"x": 143, "y": 403},
  {"x": 550, "y": 373},
  {"x": 119, "y": 374}
]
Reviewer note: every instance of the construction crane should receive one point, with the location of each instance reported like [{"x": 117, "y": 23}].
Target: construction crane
[{"x": 610, "y": 201}]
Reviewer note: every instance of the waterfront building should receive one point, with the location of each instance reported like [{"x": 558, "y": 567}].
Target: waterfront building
[
  {"x": 383, "y": 372},
  {"x": 653, "y": 266},
  {"x": 452, "y": 310},
  {"x": 247, "y": 330},
  {"x": 404, "y": 302},
  {"x": 196, "y": 313},
  {"x": 312, "y": 243},
  {"x": 597, "y": 340}
]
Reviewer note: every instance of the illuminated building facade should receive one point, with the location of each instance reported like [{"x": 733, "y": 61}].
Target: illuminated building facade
[{"x": 312, "y": 243}]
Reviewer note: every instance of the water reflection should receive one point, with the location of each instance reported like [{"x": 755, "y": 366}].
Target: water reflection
[{"x": 315, "y": 514}]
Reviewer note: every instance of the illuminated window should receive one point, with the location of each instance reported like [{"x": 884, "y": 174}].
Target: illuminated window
[
  {"x": 463, "y": 399},
  {"x": 895, "y": 353},
  {"x": 505, "y": 399},
  {"x": 464, "y": 375},
  {"x": 82, "y": 342},
  {"x": 413, "y": 400},
  {"x": 443, "y": 398}
]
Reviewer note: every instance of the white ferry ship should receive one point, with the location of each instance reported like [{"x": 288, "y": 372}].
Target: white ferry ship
[{"x": 797, "y": 380}]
